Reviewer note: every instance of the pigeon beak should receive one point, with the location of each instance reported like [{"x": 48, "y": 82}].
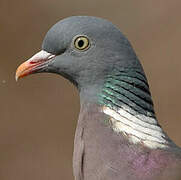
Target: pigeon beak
[{"x": 34, "y": 64}]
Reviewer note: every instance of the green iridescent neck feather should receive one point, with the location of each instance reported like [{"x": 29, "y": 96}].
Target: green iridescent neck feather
[{"x": 127, "y": 88}]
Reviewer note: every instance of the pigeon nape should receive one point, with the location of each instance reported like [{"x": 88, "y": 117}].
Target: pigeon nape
[{"x": 118, "y": 136}]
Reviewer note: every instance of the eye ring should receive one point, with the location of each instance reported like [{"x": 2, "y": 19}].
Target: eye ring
[{"x": 82, "y": 43}]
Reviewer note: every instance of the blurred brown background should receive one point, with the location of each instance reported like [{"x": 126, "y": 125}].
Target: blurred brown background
[{"x": 38, "y": 114}]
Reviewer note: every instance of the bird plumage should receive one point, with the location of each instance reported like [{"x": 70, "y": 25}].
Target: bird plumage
[
  {"x": 100, "y": 153},
  {"x": 118, "y": 136}
]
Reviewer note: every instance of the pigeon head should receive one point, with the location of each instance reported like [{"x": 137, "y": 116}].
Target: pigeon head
[{"x": 84, "y": 50}]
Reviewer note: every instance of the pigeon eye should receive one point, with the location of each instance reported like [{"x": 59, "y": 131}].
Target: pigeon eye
[{"x": 81, "y": 43}]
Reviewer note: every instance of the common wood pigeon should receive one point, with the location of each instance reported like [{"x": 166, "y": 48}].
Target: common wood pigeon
[{"x": 118, "y": 136}]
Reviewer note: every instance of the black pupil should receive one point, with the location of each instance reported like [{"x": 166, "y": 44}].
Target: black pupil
[{"x": 80, "y": 43}]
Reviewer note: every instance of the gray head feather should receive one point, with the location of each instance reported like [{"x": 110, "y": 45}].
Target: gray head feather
[{"x": 109, "y": 50}]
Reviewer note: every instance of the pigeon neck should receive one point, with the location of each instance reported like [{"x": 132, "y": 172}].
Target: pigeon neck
[
  {"x": 127, "y": 88},
  {"x": 125, "y": 97}
]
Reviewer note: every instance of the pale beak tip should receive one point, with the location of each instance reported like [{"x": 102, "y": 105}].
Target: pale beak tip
[
  {"x": 17, "y": 75},
  {"x": 16, "y": 78}
]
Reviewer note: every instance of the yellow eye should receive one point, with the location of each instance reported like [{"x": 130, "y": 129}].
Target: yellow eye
[{"x": 81, "y": 43}]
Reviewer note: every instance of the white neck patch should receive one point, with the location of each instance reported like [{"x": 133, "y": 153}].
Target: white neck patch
[{"x": 137, "y": 128}]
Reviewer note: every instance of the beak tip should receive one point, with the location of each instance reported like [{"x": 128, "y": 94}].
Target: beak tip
[
  {"x": 21, "y": 71},
  {"x": 16, "y": 78},
  {"x": 17, "y": 75}
]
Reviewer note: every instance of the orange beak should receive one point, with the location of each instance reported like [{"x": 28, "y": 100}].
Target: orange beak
[{"x": 34, "y": 64}]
